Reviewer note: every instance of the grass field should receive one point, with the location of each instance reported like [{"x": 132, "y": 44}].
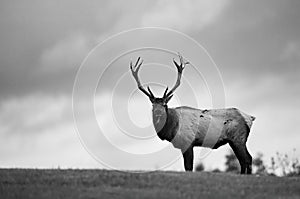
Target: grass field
[{"x": 56, "y": 183}]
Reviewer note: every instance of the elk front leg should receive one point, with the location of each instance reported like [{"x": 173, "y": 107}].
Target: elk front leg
[{"x": 188, "y": 157}]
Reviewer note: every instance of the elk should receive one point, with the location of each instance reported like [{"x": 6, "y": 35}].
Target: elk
[{"x": 187, "y": 127}]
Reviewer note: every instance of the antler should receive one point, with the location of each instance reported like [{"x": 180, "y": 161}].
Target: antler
[
  {"x": 134, "y": 70},
  {"x": 180, "y": 68}
]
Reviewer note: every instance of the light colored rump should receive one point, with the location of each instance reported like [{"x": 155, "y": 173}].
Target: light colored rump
[{"x": 248, "y": 119}]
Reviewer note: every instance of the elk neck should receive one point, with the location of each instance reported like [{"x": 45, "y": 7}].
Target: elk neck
[{"x": 167, "y": 127}]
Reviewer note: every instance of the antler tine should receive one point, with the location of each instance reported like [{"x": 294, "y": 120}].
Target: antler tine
[
  {"x": 150, "y": 91},
  {"x": 165, "y": 93},
  {"x": 136, "y": 66},
  {"x": 134, "y": 70},
  {"x": 180, "y": 68}
]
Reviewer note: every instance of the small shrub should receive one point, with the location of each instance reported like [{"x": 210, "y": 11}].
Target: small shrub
[
  {"x": 200, "y": 167},
  {"x": 283, "y": 165},
  {"x": 259, "y": 165},
  {"x": 216, "y": 170}
]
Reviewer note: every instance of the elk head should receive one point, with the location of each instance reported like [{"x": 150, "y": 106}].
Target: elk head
[{"x": 159, "y": 104}]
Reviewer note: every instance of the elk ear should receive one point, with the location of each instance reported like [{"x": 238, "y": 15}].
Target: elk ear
[{"x": 168, "y": 99}]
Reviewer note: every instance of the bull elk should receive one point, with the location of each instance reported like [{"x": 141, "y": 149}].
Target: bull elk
[{"x": 186, "y": 127}]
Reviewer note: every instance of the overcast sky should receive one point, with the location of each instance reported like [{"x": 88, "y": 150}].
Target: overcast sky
[{"x": 255, "y": 44}]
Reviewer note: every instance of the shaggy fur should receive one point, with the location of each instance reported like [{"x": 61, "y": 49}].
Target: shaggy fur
[{"x": 187, "y": 127}]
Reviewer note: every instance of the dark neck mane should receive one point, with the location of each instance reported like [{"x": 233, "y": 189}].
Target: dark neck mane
[{"x": 171, "y": 126}]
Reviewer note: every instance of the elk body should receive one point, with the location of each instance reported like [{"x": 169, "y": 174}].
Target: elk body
[{"x": 187, "y": 127}]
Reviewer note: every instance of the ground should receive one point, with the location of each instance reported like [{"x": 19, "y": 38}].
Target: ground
[{"x": 59, "y": 183}]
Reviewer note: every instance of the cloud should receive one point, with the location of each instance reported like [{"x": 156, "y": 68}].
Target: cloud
[
  {"x": 291, "y": 52},
  {"x": 184, "y": 15},
  {"x": 38, "y": 131},
  {"x": 66, "y": 54},
  {"x": 31, "y": 113},
  {"x": 52, "y": 147}
]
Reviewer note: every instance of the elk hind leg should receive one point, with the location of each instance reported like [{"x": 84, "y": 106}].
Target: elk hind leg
[
  {"x": 249, "y": 163},
  {"x": 243, "y": 156}
]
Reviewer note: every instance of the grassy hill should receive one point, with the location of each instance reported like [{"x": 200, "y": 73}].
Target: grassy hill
[{"x": 30, "y": 183}]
